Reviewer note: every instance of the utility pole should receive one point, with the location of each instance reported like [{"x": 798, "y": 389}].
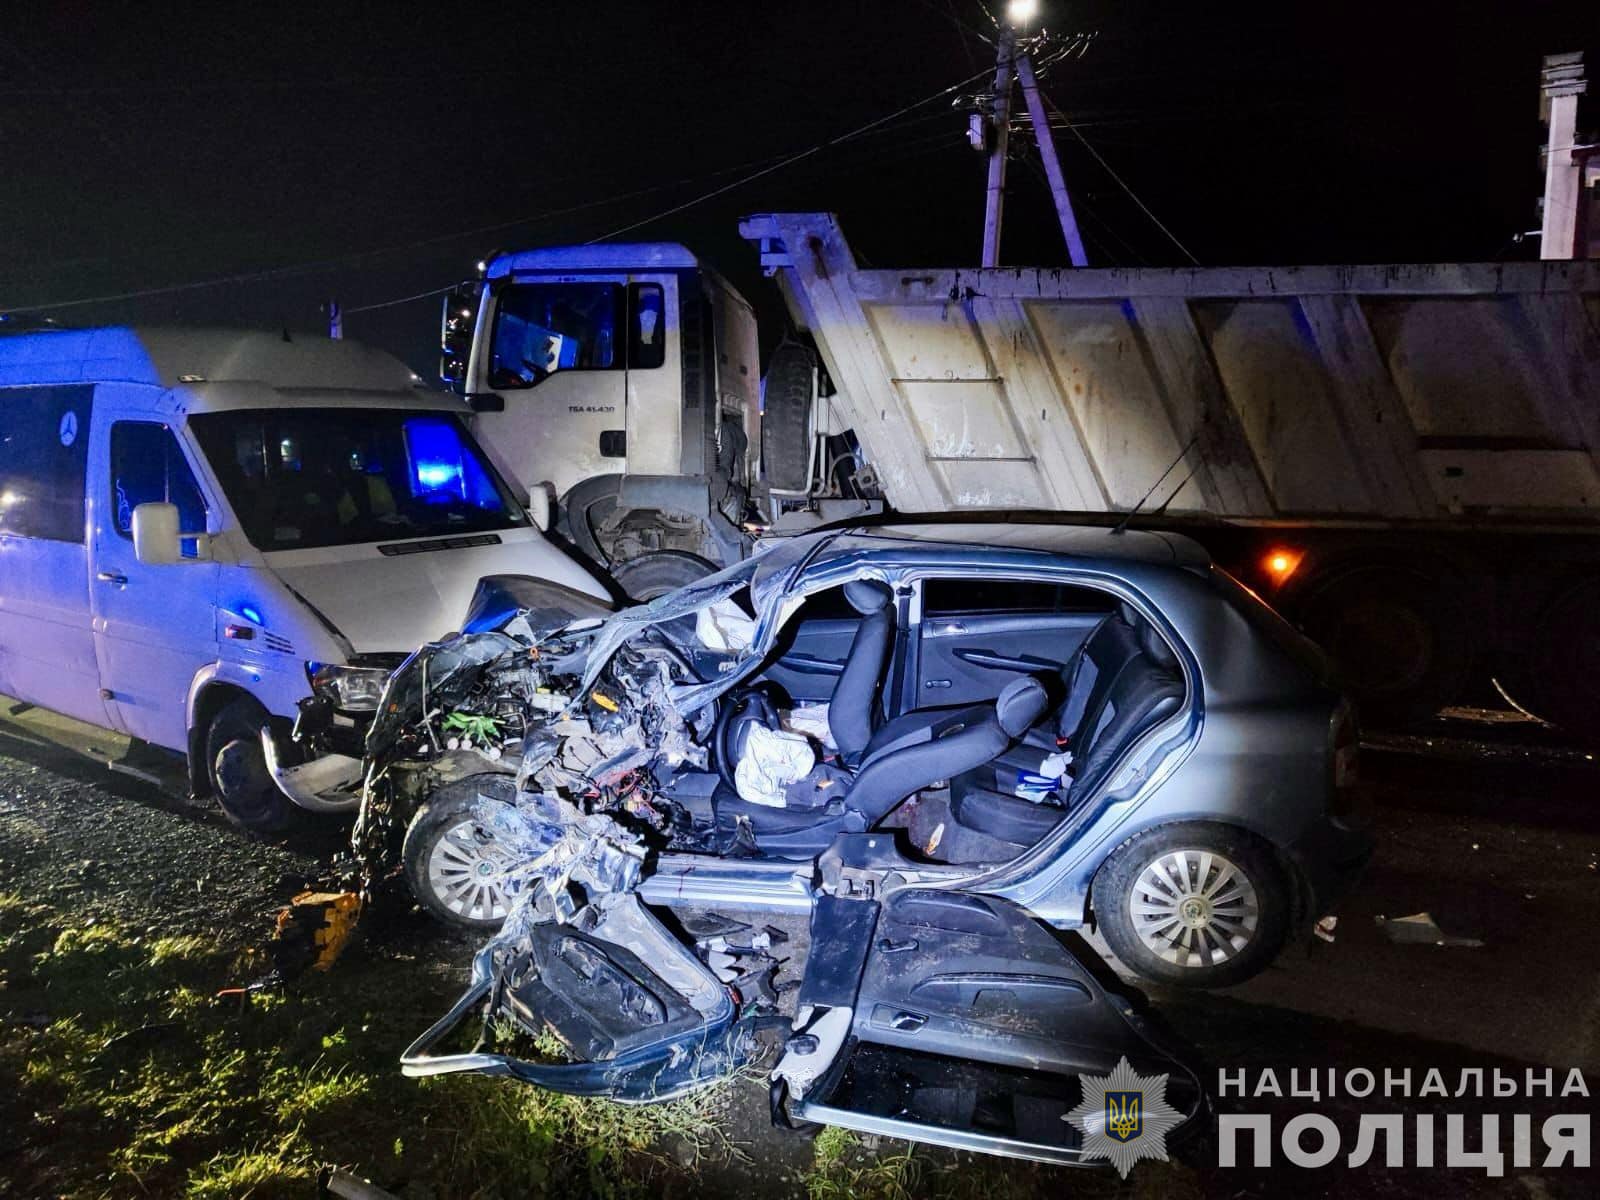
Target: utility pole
[
  {"x": 1563, "y": 172},
  {"x": 1044, "y": 138},
  {"x": 1001, "y": 123}
]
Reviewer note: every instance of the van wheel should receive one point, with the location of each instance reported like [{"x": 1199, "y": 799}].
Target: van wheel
[
  {"x": 1193, "y": 904},
  {"x": 238, "y": 770},
  {"x": 453, "y": 860}
]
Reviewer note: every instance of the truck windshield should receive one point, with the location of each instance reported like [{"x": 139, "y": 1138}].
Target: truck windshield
[
  {"x": 302, "y": 477},
  {"x": 541, "y": 328}
]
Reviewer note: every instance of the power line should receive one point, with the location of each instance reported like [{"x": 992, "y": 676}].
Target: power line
[
  {"x": 791, "y": 159},
  {"x": 768, "y": 167},
  {"x": 1143, "y": 207}
]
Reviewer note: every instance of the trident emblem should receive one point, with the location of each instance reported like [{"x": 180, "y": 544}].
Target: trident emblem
[{"x": 1124, "y": 1115}]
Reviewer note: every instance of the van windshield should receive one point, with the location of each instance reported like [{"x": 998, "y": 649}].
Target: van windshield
[{"x": 303, "y": 477}]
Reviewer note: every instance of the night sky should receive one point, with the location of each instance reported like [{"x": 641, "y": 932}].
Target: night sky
[{"x": 377, "y": 151}]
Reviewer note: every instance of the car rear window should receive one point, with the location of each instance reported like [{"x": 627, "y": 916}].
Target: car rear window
[{"x": 945, "y": 597}]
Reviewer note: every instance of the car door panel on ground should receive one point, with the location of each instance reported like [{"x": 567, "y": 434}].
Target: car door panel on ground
[
  {"x": 151, "y": 622},
  {"x": 978, "y": 635},
  {"x": 47, "y": 654},
  {"x": 971, "y": 1022}
]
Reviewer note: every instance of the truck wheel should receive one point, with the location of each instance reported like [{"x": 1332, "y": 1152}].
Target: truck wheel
[
  {"x": 1193, "y": 904},
  {"x": 238, "y": 770},
  {"x": 786, "y": 417},
  {"x": 650, "y": 575},
  {"x": 1563, "y": 676},
  {"x": 453, "y": 860},
  {"x": 1400, "y": 641}
]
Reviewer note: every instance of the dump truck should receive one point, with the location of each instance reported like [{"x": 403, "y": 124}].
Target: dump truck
[{"x": 1405, "y": 459}]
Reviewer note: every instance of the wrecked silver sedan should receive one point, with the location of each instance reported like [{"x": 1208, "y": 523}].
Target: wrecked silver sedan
[{"x": 851, "y": 789}]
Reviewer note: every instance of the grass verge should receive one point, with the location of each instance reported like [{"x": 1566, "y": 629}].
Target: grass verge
[{"x": 124, "y": 1075}]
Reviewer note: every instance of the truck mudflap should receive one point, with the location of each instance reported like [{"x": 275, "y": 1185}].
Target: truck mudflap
[{"x": 959, "y": 1020}]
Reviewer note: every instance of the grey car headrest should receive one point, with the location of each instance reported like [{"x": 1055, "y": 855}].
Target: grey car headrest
[
  {"x": 867, "y": 596},
  {"x": 1129, "y": 614},
  {"x": 1155, "y": 648},
  {"x": 1020, "y": 705}
]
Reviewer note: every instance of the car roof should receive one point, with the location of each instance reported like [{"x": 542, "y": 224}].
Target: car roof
[{"x": 1036, "y": 533}]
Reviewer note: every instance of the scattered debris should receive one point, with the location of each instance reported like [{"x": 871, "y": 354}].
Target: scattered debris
[
  {"x": 312, "y": 931},
  {"x": 1421, "y": 929},
  {"x": 336, "y": 1181},
  {"x": 1324, "y": 928}
]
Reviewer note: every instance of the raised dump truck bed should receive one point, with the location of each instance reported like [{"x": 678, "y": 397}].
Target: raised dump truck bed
[{"x": 1381, "y": 443}]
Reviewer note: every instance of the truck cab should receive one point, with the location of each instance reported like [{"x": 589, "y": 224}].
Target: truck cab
[{"x": 624, "y": 382}]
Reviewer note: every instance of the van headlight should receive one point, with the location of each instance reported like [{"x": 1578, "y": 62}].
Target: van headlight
[{"x": 351, "y": 688}]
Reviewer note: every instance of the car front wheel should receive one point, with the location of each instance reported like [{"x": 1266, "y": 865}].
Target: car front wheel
[
  {"x": 454, "y": 861},
  {"x": 1193, "y": 904}
]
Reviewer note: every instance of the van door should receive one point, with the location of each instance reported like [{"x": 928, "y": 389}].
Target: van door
[
  {"x": 155, "y": 626},
  {"x": 47, "y": 654}
]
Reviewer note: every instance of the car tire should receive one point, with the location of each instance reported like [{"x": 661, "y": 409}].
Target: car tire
[
  {"x": 237, "y": 770},
  {"x": 449, "y": 855},
  {"x": 1177, "y": 933},
  {"x": 651, "y": 575}
]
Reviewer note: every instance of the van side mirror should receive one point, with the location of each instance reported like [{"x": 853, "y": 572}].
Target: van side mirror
[
  {"x": 157, "y": 539},
  {"x": 539, "y": 507},
  {"x": 456, "y": 318}
]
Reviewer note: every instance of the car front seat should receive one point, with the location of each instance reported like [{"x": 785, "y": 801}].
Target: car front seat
[
  {"x": 853, "y": 707},
  {"x": 947, "y": 744}
]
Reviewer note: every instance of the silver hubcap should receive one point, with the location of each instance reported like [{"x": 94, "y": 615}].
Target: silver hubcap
[
  {"x": 466, "y": 871},
  {"x": 1194, "y": 908}
]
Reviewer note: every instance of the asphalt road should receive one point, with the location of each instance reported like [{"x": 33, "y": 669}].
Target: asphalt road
[{"x": 1503, "y": 848}]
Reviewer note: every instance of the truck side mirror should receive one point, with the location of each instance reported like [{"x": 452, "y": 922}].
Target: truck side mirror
[
  {"x": 157, "y": 539},
  {"x": 456, "y": 319}
]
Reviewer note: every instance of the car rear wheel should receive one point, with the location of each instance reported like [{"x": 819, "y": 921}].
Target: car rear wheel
[
  {"x": 452, "y": 858},
  {"x": 1193, "y": 904},
  {"x": 237, "y": 768}
]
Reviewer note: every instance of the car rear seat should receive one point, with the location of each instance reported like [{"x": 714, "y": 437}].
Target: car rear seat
[
  {"x": 1084, "y": 679},
  {"x": 1126, "y": 698}
]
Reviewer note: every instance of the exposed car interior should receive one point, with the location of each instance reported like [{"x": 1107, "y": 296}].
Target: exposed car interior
[{"x": 1051, "y": 683}]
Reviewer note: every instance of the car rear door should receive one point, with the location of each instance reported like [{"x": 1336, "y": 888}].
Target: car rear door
[{"x": 976, "y": 635}]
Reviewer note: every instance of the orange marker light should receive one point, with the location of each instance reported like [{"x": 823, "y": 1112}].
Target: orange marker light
[{"x": 1280, "y": 564}]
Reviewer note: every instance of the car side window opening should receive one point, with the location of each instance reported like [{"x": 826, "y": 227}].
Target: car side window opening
[
  {"x": 44, "y": 438},
  {"x": 947, "y": 597},
  {"x": 147, "y": 466},
  {"x": 542, "y": 328}
]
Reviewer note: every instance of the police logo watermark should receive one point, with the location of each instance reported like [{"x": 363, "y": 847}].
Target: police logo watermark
[{"x": 1124, "y": 1117}]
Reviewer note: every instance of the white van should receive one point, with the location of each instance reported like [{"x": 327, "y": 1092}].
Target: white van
[{"x": 206, "y": 535}]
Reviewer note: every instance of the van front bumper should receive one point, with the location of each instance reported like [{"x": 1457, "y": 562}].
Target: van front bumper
[{"x": 329, "y": 783}]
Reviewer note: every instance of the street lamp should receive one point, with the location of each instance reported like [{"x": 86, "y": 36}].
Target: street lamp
[{"x": 1020, "y": 12}]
